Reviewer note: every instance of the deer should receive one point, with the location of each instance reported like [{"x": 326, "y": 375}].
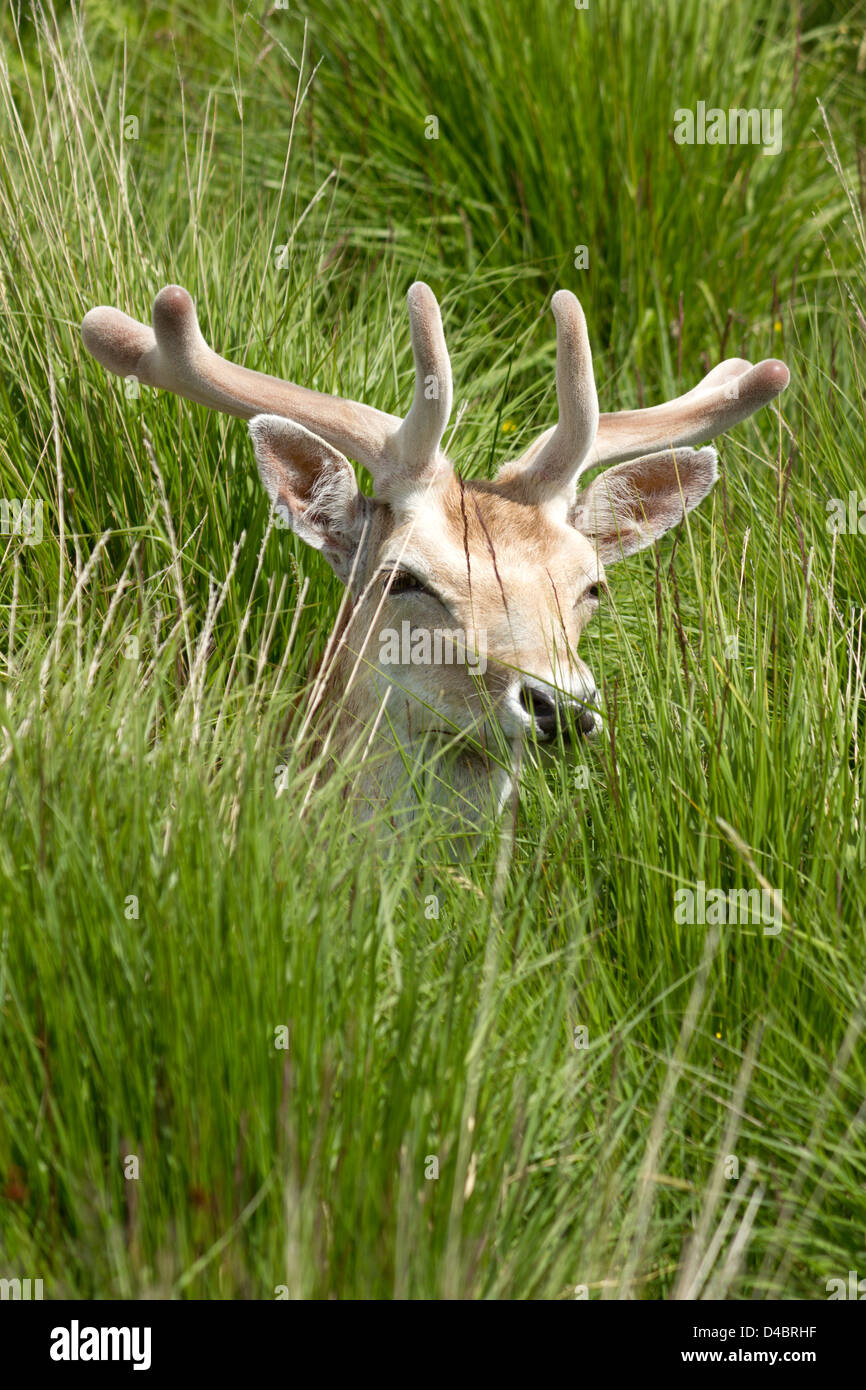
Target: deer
[{"x": 512, "y": 567}]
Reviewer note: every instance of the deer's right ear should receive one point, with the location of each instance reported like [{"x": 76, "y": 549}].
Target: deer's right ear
[{"x": 313, "y": 488}]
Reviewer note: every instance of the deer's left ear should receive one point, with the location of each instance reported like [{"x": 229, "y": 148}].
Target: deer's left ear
[
  {"x": 313, "y": 487},
  {"x": 627, "y": 507}
]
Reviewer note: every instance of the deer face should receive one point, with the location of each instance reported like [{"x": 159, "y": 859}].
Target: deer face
[
  {"x": 469, "y": 599},
  {"x": 476, "y": 604},
  {"x": 505, "y": 573}
]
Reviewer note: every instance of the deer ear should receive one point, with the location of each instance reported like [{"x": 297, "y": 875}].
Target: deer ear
[
  {"x": 313, "y": 488},
  {"x": 627, "y": 507}
]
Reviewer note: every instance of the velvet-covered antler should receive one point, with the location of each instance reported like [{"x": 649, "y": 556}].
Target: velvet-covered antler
[
  {"x": 405, "y": 453},
  {"x": 173, "y": 356},
  {"x": 731, "y": 392}
]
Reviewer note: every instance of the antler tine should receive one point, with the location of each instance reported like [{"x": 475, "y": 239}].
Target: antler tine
[
  {"x": 420, "y": 434},
  {"x": 551, "y": 465},
  {"x": 173, "y": 356},
  {"x": 728, "y": 394}
]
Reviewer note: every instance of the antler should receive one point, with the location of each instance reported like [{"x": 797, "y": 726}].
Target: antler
[
  {"x": 173, "y": 356},
  {"x": 404, "y": 453},
  {"x": 550, "y": 465},
  {"x": 731, "y": 392},
  {"x": 420, "y": 434}
]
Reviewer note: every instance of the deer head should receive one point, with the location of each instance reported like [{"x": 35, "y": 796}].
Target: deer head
[{"x": 467, "y": 598}]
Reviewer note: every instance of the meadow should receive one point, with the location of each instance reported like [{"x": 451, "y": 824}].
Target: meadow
[{"x": 246, "y": 1051}]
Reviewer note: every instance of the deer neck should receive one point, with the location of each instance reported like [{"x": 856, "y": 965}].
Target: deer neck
[{"x": 396, "y": 771}]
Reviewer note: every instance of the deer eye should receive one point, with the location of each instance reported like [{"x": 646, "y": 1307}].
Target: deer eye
[{"x": 404, "y": 582}]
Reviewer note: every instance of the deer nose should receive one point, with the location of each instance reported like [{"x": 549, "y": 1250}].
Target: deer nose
[{"x": 553, "y": 713}]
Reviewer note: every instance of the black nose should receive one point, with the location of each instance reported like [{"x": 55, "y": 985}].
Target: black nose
[
  {"x": 543, "y": 709},
  {"x": 552, "y": 714}
]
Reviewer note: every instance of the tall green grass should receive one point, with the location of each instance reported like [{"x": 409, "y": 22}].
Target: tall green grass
[{"x": 170, "y": 900}]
